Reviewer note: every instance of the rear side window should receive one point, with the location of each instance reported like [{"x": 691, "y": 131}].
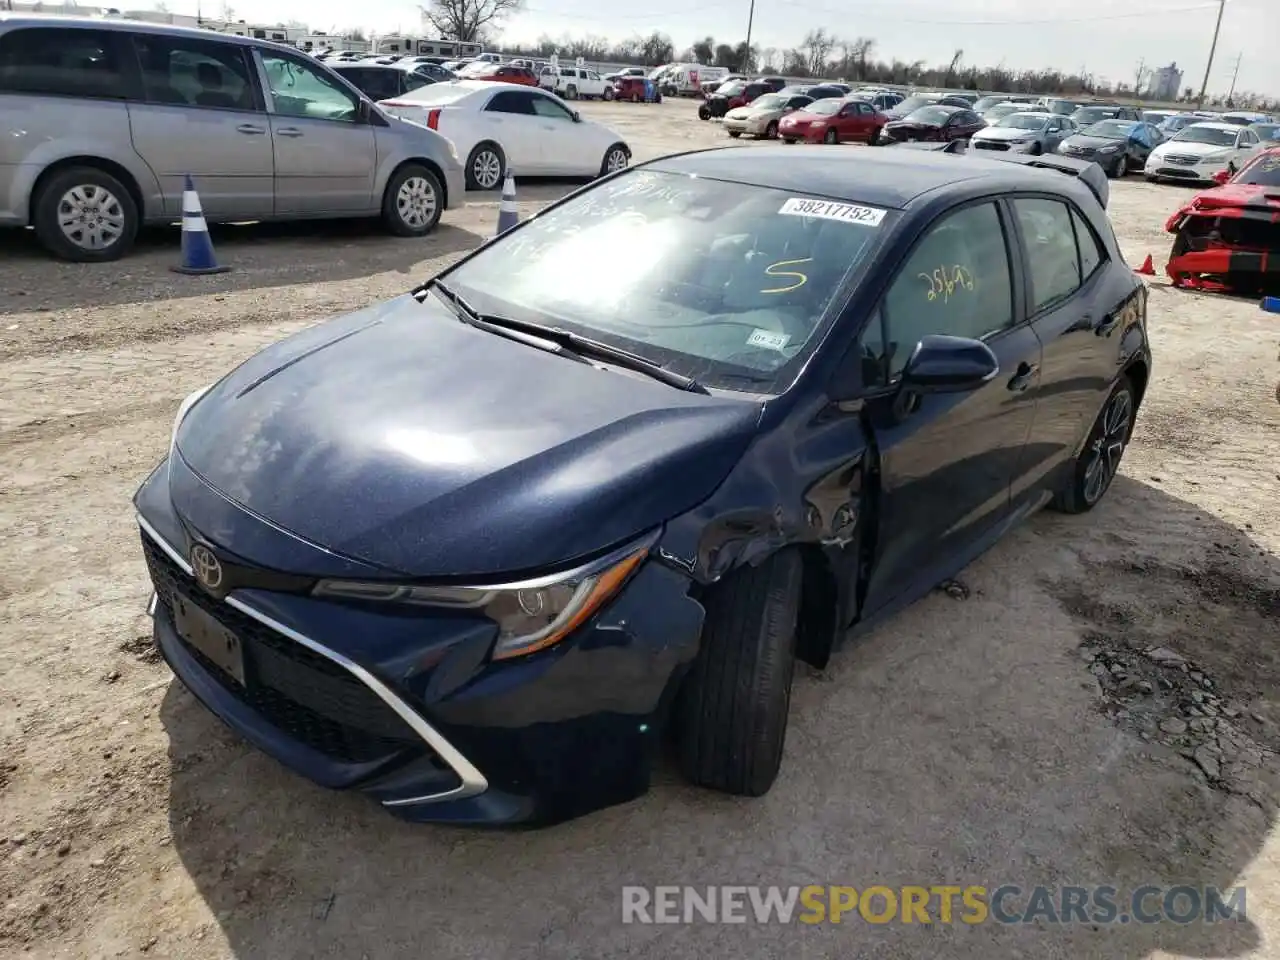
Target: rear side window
[
  {"x": 194, "y": 73},
  {"x": 62, "y": 61},
  {"x": 511, "y": 101},
  {"x": 1051, "y": 249},
  {"x": 1091, "y": 252}
]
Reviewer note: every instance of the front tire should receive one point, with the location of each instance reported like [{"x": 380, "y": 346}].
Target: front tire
[
  {"x": 608, "y": 93},
  {"x": 412, "y": 202},
  {"x": 486, "y": 166},
  {"x": 831, "y": 137},
  {"x": 1098, "y": 462},
  {"x": 704, "y": 112},
  {"x": 788, "y": 139},
  {"x": 732, "y": 710},
  {"x": 615, "y": 158},
  {"x": 734, "y": 133},
  {"x": 85, "y": 215},
  {"x": 771, "y": 131},
  {"x": 571, "y": 92}
]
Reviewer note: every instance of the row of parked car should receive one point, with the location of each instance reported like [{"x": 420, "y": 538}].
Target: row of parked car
[{"x": 1119, "y": 138}]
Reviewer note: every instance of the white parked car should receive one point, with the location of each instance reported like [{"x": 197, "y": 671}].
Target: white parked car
[
  {"x": 575, "y": 83},
  {"x": 499, "y": 125},
  {"x": 1198, "y": 152}
]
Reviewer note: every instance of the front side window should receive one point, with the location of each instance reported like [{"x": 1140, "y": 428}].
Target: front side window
[
  {"x": 194, "y": 73},
  {"x": 298, "y": 90},
  {"x": 957, "y": 282},
  {"x": 726, "y": 282},
  {"x": 63, "y": 62},
  {"x": 1213, "y": 136},
  {"x": 546, "y": 107},
  {"x": 1051, "y": 250}
]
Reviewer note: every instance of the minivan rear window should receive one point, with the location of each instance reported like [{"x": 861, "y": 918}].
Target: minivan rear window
[{"x": 63, "y": 61}]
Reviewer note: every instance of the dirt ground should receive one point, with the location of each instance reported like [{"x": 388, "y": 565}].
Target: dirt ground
[{"x": 1098, "y": 704}]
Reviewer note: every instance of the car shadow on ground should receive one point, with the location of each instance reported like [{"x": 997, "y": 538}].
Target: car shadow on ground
[
  {"x": 968, "y": 741},
  {"x": 260, "y": 255}
]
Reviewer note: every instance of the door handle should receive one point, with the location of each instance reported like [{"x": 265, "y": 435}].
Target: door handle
[
  {"x": 251, "y": 129},
  {"x": 1021, "y": 379},
  {"x": 289, "y": 131},
  {"x": 1108, "y": 324}
]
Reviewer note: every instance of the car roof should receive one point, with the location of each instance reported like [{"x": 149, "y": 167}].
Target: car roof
[
  {"x": 885, "y": 178},
  {"x": 1216, "y": 125}
]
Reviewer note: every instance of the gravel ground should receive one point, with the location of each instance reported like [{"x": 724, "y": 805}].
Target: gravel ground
[{"x": 1097, "y": 701}]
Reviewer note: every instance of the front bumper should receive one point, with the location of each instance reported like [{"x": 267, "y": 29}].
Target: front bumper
[
  {"x": 1189, "y": 169},
  {"x": 752, "y": 128},
  {"x": 409, "y": 710}
]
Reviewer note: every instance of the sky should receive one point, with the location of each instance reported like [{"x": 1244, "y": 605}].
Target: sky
[{"x": 1106, "y": 37}]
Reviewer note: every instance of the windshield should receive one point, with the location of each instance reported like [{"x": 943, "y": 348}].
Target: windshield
[
  {"x": 914, "y": 103},
  {"x": 1000, "y": 111},
  {"x": 1110, "y": 129},
  {"x": 1197, "y": 133},
  {"x": 825, "y": 107},
  {"x": 1087, "y": 115},
  {"x": 1267, "y": 131},
  {"x": 770, "y": 101},
  {"x": 725, "y": 282},
  {"x": 1263, "y": 172},
  {"x": 936, "y": 115},
  {"x": 1064, "y": 108},
  {"x": 1023, "y": 121},
  {"x": 731, "y": 88}
]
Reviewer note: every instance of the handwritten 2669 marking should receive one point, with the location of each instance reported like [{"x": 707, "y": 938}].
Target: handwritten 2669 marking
[{"x": 944, "y": 281}]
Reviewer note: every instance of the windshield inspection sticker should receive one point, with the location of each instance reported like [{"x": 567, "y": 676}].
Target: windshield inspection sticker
[
  {"x": 830, "y": 210},
  {"x": 768, "y": 339}
]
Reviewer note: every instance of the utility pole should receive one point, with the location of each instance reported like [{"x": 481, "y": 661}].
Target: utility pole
[
  {"x": 1137, "y": 78},
  {"x": 751, "y": 16},
  {"x": 1213, "y": 48},
  {"x": 1234, "y": 76}
]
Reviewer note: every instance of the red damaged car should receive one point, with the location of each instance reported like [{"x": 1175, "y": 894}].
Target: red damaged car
[
  {"x": 833, "y": 121},
  {"x": 1228, "y": 238}
]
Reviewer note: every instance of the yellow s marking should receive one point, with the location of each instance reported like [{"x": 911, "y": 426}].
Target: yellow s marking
[
  {"x": 773, "y": 271},
  {"x": 943, "y": 282}
]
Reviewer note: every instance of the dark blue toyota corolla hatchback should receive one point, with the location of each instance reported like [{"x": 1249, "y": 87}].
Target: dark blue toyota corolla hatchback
[{"x": 475, "y": 550}]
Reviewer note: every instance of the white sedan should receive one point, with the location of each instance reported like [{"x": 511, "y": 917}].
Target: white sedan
[
  {"x": 1202, "y": 150},
  {"x": 500, "y": 126}
]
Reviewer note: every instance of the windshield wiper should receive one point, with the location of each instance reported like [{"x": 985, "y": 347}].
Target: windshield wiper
[{"x": 566, "y": 342}]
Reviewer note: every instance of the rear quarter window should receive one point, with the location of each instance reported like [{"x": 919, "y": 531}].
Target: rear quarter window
[{"x": 63, "y": 61}]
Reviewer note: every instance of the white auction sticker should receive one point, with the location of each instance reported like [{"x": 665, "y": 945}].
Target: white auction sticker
[
  {"x": 767, "y": 338},
  {"x": 831, "y": 210}
]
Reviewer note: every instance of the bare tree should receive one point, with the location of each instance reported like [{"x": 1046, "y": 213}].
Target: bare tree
[
  {"x": 817, "y": 46},
  {"x": 860, "y": 50},
  {"x": 952, "y": 66},
  {"x": 1140, "y": 76},
  {"x": 704, "y": 50},
  {"x": 767, "y": 57},
  {"x": 467, "y": 19}
]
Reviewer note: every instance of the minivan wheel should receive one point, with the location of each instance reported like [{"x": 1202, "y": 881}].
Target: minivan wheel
[
  {"x": 412, "y": 204},
  {"x": 1099, "y": 460},
  {"x": 485, "y": 167},
  {"x": 85, "y": 215},
  {"x": 731, "y": 714}
]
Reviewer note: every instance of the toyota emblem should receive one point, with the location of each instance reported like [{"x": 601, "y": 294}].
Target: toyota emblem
[{"x": 206, "y": 567}]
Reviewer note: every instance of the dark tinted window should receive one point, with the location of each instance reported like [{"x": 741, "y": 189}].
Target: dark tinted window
[
  {"x": 1091, "y": 252},
  {"x": 377, "y": 84},
  {"x": 511, "y": 101},
  {"x": 1051, "y": 249},
  {"x": 194, "y": 73},
  {"x": 67, "y": 61},
  {"x": 957, "y": 282}
]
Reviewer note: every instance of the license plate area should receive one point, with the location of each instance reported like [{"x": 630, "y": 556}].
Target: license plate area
[{"x": 204, "y": 633}]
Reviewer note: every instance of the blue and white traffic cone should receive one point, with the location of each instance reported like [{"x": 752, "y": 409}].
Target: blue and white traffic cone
[
  {"x": 508, "y": 215},
  {"x": 1271, "y": 304},
  {"x": 197, "y": 248}
]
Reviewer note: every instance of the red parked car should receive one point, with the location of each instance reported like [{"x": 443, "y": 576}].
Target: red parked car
[
  {"x": 935, "y": 122},
  {"x": 833, "y": 121},
  {"x": 634, "y": 89},
  {"x": 504, "y": 73}
]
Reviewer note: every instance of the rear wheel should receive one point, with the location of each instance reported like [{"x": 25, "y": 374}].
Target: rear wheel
[
  {"x": 571, "y": 92},
  {"x": 485, "y": 167},
  {"x": 831, "y": 137},
  {"x": 1099, "y": 460},
  {"x": 874, "y": 138},
  {"x": 732, "y": 711},
  {"x": 412, "y": 203},
  {"x": 85, "y": 215},
  {"x": 704, "y": 112},
  {"x": 734, "y": 133}
]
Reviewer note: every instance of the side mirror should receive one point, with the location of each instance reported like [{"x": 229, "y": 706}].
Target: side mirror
[
  {"x": 1221, "y": 177},
  {"x": 942, "y": 364},
  {"x": 364, "y": 111},
  {"x": 577, "y": 117}
]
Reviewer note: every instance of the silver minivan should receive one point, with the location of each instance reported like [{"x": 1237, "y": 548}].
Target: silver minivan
[{"x": 101, "y": 121}]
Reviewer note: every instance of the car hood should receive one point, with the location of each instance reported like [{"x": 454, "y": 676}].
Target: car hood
[
  {"x": 1092, "y": 143},
  {"x": 1006, "y": 133},
  {"x": 406, "y": 439},
  {"x": 1190, "y": 148},
  {"x": 913, "y": 125},
  {"x": 741, "y": 113}
]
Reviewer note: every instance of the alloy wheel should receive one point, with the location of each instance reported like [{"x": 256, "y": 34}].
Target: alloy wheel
[
  {"x": 416, "y": 202},
  {"x": 91, "y": 217},
  {"x": 616, "y": 160},
  {"x": 1108, "y": 446},
  {"x": 487, "y": 169}
]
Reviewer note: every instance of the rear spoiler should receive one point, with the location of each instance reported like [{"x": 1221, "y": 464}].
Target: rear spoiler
[{"x": 1089, "y": 173}]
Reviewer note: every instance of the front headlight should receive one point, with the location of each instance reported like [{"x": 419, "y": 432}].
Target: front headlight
[
  {"x": 1111, "y": 148},
  {"x": 530, "y": 615},
  {"x": 183, "y": 409}
]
